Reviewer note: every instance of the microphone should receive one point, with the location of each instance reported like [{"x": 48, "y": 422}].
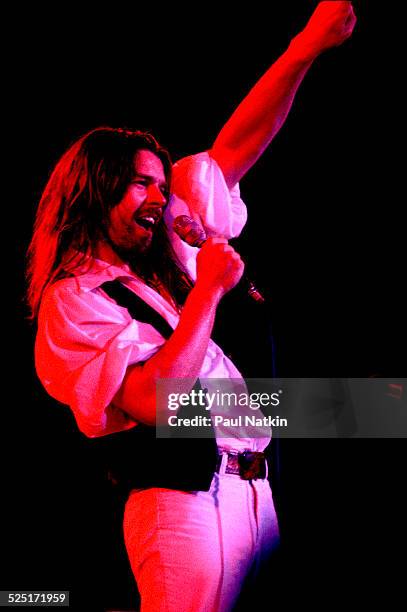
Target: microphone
[{"x": 192, "y": 233}]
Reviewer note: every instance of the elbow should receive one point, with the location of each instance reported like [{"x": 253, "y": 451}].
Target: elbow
[
  {"x": 141, "y": 408},
  {"x": 137, "y": 398},
  {"x": 148, "y": 411},
  {"x": 228, "y": 164}
]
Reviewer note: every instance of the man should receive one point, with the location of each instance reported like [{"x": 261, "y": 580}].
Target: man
[{"x": 122, "y": 302}]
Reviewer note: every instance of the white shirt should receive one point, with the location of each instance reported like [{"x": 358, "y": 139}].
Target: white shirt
[{"x": 85, "y": 341}]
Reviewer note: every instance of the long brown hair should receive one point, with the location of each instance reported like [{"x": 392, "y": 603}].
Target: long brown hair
[{"x": 87, "y": 182}]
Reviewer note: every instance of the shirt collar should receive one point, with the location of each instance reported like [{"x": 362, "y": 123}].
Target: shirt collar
[{"x": 94, "y": 272}]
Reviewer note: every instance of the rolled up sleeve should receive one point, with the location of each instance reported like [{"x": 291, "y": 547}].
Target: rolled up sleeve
[
  {"x": 200, "y": 191},
  {"x": 84, "y": 345}
]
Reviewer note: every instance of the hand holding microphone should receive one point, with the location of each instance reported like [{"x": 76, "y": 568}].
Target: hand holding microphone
[{"x": 223, "y": 266}]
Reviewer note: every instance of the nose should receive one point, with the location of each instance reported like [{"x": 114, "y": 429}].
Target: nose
[{"x": 155, "y": 195}]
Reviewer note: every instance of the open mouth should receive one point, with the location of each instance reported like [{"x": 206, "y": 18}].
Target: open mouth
[{"x": 148, "y": 222}]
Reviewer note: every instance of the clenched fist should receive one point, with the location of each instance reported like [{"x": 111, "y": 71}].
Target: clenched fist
[
  {"x": 219, "y": 267},
  {"x": 330, "y": 25}
]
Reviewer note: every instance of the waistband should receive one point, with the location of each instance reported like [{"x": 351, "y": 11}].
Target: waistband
[{"x": 249, "y": 465}]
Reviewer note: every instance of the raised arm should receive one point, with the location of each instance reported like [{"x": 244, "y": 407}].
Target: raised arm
[{"x": 263, "y": 111}]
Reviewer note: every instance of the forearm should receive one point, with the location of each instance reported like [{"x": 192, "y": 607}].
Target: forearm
[
  {"x": 180, "y": 357},
  {"x": 261, "y": 114}
]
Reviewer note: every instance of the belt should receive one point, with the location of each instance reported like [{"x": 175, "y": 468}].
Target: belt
[{"x": 248, "y": 464}]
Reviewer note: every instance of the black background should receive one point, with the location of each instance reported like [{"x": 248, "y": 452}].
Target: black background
[{"x": 324, "y": 241}]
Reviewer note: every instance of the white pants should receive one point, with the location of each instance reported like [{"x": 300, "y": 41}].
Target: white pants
[{"x": 192, "y": 551}]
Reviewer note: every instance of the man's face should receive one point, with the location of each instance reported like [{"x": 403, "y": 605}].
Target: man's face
[{"x": 133, "y": 221}]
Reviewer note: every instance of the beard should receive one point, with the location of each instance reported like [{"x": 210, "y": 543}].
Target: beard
[{"x": 141, "y": 252}]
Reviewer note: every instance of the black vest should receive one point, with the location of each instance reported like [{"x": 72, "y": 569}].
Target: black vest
[{"x": 136, "y": 458}]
